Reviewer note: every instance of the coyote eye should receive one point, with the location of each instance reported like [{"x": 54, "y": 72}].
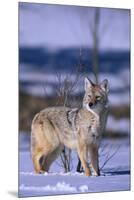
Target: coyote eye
[
  {"x": 89, "y": 96},
  {"x": 98, "y": 97}
]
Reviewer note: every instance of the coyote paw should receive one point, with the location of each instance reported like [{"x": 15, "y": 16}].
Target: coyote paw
[
  {"x": 40, "y": 172},
  {"x": 87, "y": 173},
  {"x": 96, "y": 173}
]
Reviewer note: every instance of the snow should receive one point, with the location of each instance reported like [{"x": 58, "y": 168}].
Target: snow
[
  {"x": 60, "y": 184},
  {"x": 83, "y": 188},
  {"x": 59, "y": 187},
  {"x": 119, "y": 99},
  {"x": 119, "y": 125},
  {"x": 115, "y": 175}
]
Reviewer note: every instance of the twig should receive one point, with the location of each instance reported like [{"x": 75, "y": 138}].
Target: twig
[{"x": 108, "y": 158}]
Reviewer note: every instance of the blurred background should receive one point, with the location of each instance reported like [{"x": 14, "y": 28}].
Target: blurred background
[{"x": 60, "y": 45}]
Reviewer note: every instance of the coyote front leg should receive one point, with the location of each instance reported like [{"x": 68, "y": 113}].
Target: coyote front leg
[
  {"x": 82, "y": 151},
  {"x": 94, "y": 159}
]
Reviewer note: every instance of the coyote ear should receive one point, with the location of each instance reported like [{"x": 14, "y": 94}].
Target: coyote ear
[
  {"x": 104, "y": 85},
  {"x": 88, "y": 83}
]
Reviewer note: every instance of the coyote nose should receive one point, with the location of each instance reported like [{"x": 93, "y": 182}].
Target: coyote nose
[{"x": 90, "y": 104}]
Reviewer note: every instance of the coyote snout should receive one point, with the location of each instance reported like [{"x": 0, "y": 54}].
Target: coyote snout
[{"x": 78, "y": 128}]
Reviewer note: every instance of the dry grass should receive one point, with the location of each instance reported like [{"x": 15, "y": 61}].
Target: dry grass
[{"x": 120, "y": 111}]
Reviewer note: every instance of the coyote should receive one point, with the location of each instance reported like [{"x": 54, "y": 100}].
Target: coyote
[{"x": 77, "y": 128}]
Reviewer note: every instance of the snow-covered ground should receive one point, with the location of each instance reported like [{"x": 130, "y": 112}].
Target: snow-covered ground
[
  {"x": 115, "y": 175},
  {"x": 121, "y": 125}
]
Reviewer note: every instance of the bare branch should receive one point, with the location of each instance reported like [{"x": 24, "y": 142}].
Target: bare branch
[{"x": 109, "y": 157}]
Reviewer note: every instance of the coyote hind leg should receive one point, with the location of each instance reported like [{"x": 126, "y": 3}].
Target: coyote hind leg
[
  {"x": 36, "y": 161},
  {"x": 50, "y": 158}
]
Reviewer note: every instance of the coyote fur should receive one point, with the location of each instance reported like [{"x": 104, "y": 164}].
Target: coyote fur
[{"x": 77, "y": 128}]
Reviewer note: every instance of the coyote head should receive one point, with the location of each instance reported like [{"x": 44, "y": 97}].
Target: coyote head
[{"x": 96, "y": 95}]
